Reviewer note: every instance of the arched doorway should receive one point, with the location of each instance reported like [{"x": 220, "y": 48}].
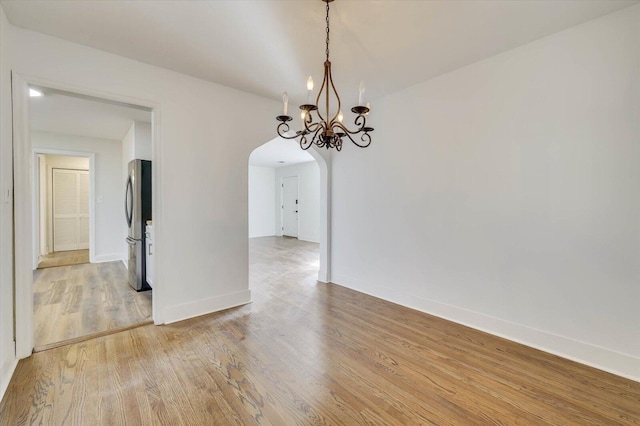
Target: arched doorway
[{"x": 277, "y": 167}]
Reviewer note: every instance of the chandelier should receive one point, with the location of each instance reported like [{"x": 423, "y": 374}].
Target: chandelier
[{"x": 327, "y": 131}]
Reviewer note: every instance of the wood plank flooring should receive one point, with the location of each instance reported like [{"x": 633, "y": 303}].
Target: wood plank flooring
[
  {"x": 310, "y": 353},
  {"x": 78, "y": 300},
  {"x": 63, "y": 258}
]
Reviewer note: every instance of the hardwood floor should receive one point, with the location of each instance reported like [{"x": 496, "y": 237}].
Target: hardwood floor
[
  {"x": 310, "y": 353},
  {"x": 78, "y": 300},
  {"x": 63, "y": 258}
]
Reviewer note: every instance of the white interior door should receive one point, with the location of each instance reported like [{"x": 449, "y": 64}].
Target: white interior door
[
  {"x": 290, "y": 206},
  {"x": 70, "y": 209}
]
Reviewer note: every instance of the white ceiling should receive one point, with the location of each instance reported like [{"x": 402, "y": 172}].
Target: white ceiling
[
  {"x": 72, "y": 115},
  {"x": 279, "y": 152},
  {"x": 267, "y": 47}
]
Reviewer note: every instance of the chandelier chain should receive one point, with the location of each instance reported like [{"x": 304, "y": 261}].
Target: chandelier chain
[{"x": 327, "y": 31}]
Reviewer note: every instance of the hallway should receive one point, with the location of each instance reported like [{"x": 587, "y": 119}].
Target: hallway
[
  {"x": 63, "y": 258},
  {"x": 79, "y": 300}
]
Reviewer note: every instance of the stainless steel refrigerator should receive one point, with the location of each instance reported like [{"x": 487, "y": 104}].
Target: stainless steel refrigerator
[{"x": 137, "y": 209}]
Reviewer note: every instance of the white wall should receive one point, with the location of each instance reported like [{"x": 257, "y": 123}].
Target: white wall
[
  {"x": 143, "y": 140},
  {"x": 7, "y": 352},
  {"x": 203, "y": 144},
  {"x": 128, "y": 149},
  {"x": 59, "y": 162},
  {"x": 136, "y": 144},
  {"x": 308, "y": 199},
  {"x": 262, "y": 201},
  {"x": 109, "y": 214},
  {"x": 505, "y": 196}
]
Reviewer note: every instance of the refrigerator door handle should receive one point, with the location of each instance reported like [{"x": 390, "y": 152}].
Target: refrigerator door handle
[{"x": 128, "y": 201}]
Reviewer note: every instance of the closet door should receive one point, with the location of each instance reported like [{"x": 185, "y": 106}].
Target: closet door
[{"x": 70, "y": 209}]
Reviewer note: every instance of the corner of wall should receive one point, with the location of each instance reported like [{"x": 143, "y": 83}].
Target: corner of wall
[
  {"x": 6, "y": 372},
  {"x": 206, "y": 306},
  {"x": 8, "y": 361}
]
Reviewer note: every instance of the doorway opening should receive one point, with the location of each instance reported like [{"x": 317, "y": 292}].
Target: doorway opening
[
  {"x": 62, "y": 204},
  {"x": 80, "y": 148},
  {"x": 288, "y": 209}
]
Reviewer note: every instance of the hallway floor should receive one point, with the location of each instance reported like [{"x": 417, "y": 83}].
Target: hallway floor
[
  {"x": 79, "y": 300},
  {"x": 63, "y": 258}
]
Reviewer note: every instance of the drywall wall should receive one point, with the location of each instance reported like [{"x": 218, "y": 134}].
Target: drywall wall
[
  {"x": 200, "y": 166},
  {"x": 136, "y": 144},
  {"x": 58, "y": 162},
  {"x": 128, "y": 149},
  {"x": 7, "y": 351},
  {"x": 143, "y": 140},
  {"x": 109, "y": 192},
  {"x": 308, "y": 199},
  {"x": 262, "y": 201},
  {"x": 504, "y": 195}
]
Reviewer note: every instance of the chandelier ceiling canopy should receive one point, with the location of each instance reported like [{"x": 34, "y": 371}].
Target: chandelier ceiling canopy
[{"x": 327, "y": 130}]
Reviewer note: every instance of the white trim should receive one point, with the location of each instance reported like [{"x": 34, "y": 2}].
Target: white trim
[
  {"x": 113, "y": 257},
  {"x": 617, "y": 363},
  {"x": 158, "y": 235},
  {"x": 6, "y": 373},
  {"x": 206, "y": 306},
  {"x": 22, "y": 218},
  {"x": 23, "y": 227},
  {"x": 310, "y": 239},
  {"x": 324, "y": 273},
  {"x": 92, "y": 190}
]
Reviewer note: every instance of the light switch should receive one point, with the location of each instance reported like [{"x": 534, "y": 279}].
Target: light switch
[
  {"x": 99, "y": 199},
  {"x": 6, "y": 194}
]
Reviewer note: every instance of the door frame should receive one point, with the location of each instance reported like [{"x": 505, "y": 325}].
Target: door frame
[
  {"x": 36, "y": 201},
  {"x": 323, "y": 159},
  {"x": 23, "y": 197}
]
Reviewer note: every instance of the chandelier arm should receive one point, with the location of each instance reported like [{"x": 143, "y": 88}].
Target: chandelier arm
[
  {"x": 322, "y": 87},
  {"x": 310, "y": 125},
  {"x": 335, "y": 92},
  {"x": 365, "y": 138},
  {"x": 346, "y": 130},
  {"x": 303, "y": 142},
  {"x": 282, "y": 130},
  {"x": 306, "y": 145}
]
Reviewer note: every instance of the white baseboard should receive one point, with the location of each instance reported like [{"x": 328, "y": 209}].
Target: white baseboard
[
  {"x": 262, "y": 235},
  {"x": 323, "y": 276},
  {"x": 5, "y": 375},
  {"x": 594, "y": 356},
  {"x": 309, "y": 238},
  {"x": 106, "y": 258},
  {"x": 206, "y": 306}
]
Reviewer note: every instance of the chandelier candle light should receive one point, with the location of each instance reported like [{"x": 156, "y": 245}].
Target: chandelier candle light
[{"x": 326, "y": 132}]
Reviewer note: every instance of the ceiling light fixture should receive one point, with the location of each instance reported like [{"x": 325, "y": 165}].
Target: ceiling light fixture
[
  {"x": 326, "y": 132},
  {"x": 34, "y": 93}
]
